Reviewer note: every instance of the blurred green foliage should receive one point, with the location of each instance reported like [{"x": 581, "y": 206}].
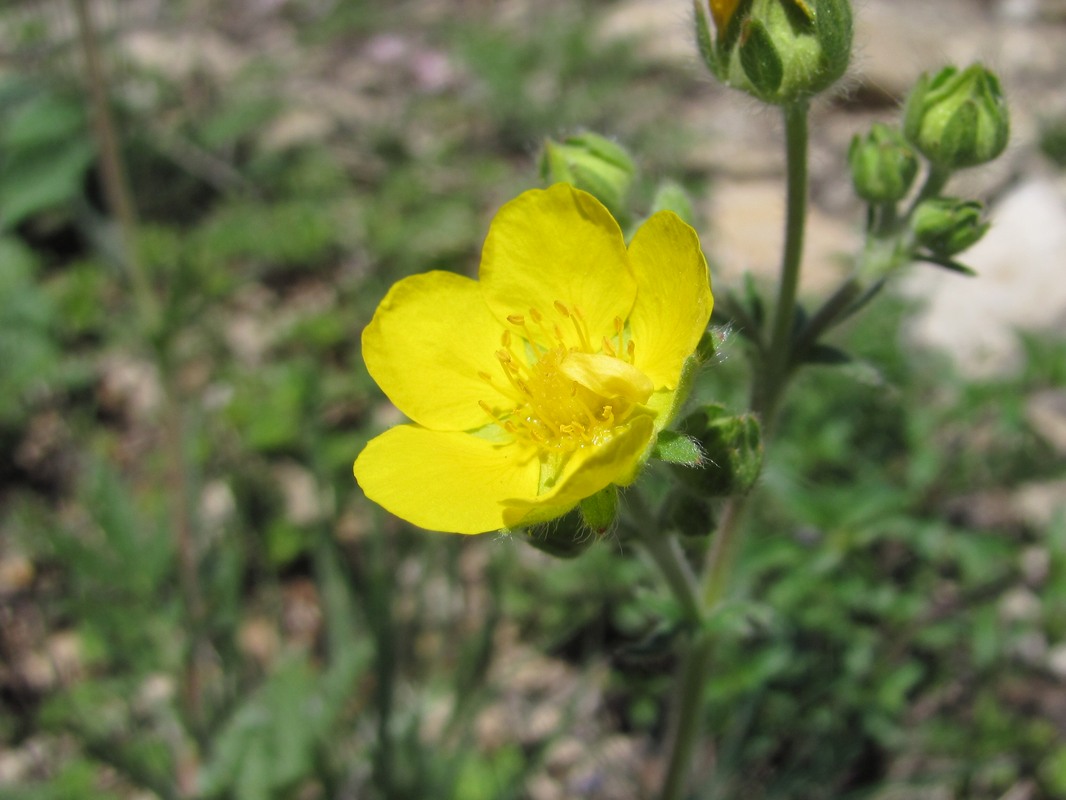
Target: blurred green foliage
[{"x": 330, "y": 651}]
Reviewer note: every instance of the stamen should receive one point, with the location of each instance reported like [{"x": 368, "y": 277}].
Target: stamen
[{"x": 581, "y": 334}]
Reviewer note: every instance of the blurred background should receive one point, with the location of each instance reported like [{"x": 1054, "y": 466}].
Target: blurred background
[{"x": 196, "y": 601}]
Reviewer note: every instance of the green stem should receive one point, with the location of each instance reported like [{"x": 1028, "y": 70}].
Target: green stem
[
  {"x": 720, "y": 558},
  {"x": 769, "y": 384},
  {"x": 112, "y": 172},
  {"x": 666, "y": 552},
  {"x": 687, "y": 714},
  {"x": 688, "y": 702},
  {"x": 775, "y": 366},
  {"x": 936, "y": 179}
]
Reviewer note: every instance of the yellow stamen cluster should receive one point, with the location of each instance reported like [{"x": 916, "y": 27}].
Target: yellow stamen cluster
[{"x": 553, "y": 409}]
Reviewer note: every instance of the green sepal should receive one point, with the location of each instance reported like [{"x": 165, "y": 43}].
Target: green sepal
[
  {"x": 760, "y": 60},
  {"x": 566, "y": 537},
  {"x": 834, "y": 29},
  {"x": 949, "y": 264},
  {"x": 704, "y": 37},
  {"x": 677, "y": 448},
  {"x": 599, "y": 511}
]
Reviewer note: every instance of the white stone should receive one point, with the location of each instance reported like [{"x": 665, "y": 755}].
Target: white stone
[{"x": 1019, "y": 285}]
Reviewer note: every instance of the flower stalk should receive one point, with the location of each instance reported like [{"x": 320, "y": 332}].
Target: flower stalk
[
  {"x": 770, "y": 382},
  {"x": 774, "y": 369}
]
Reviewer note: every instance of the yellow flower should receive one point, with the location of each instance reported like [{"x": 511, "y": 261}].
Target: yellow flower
[{"x": 541, "y": 383}]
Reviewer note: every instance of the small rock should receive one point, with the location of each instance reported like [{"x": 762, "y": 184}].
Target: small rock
[
  {"x": 1056, "y": 661},
  {"x": 662, "y": 34},
  {"x": 1018, "y": 285},
  {"x": 747, "y": 230},
  {"x": 129, "y": 387},
  {"x": 1035, "y": 565},
  {"x": 16, "y": 574},
  {"x": 1019, "y": 605},
  {"x": 1036, "y": 504},
  {"x": 1046, "y": 413},
  {"x": 300, "y": 492}
]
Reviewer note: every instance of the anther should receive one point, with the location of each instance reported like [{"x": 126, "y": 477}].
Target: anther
[
  {"x": 537, "y": 317},
  {"x": 607, "y": 347},
  {"x": 505, "y": 339},
  {"x": 631, "y": 348},
  {"x": 562, "y": 309},
  {"x": 516, "y": 319},
  {"x": 485, "y": 377}
]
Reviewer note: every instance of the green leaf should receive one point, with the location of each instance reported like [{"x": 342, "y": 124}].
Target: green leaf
[{"x": 677, "y": 448}]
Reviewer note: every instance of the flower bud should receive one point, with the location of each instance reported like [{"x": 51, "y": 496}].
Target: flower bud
[
  {"x": 947, "y": 225},
  {"x": 779, "y": 51},
  {"x": 590, "y": 162},
  {"x": 957, "y": 119},
  {"x": 883, "y": 165},
  {"x": 732, "y": 451}
]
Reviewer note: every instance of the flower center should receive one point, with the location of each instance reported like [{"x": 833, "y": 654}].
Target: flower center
[{"x": 566, "y": 393}]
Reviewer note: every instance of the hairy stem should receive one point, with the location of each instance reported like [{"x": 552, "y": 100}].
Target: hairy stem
[
  {"x": 773, "y": 374},
  {"x": 769, "y": 384}
]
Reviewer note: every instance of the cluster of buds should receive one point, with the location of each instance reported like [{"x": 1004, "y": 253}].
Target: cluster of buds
[
  {"x": 954, "y": 119},
  {"x": 780, "y": 51}
]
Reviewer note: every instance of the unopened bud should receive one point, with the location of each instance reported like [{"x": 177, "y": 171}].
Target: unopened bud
[
  {"x": 592, "y": 163},
  {"x": 946, "y": 225},
  {"x": 732, "y": 451},
  {"x": 883, "y": 165},
  {"x": 958, "y": 119},
  {"x": 779, "y": 51}
]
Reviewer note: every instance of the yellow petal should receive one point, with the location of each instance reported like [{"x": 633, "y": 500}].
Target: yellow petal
[
  {"x": 674, "y": 299},
  {"x": 430, "y": 338},
  {"x": 607, "y": 376},
  {"x": 445, "y": 481},
  {"x": 557, "y": 245},
  {"x": 722, "y": 11},
  {"x": 588, "y": 470}
]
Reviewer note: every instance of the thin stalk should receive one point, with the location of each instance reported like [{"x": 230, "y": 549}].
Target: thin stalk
[
  {"x": 723, "y": 553},
  {"x": 686, "y": 714},
  {"x": 121, "y": 205},
  {"x": 769, "y": 384},
  {"x": 688, "y": 702},
  {"x": 775, "y": 365},
  {"x": 112, "y": 171},
  {"x": 666, "y": 552},
  {"x": 935, "y": 180}
]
